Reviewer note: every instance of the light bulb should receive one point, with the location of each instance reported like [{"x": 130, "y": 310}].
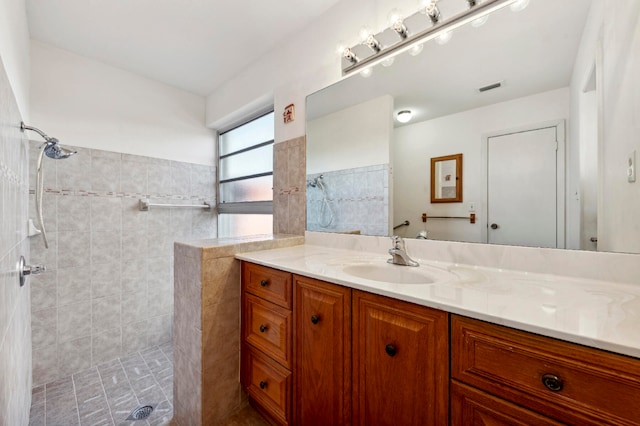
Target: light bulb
[
  {"x": 404, "y": 116},
  {"x": 444, "y": 38},
  {"x": 349, "y": 55},
  {"x": 480, "y": 21},
  {"x": 365, "y": 32},
  {"x": 519, "y": 5},
  {"x": 367, "y": 72},
  {"x": 432, "y": 11},
  {"x": 395, "y": 16},
  {"x": 416, "y": 49},
  {"x": 388, "y": 62}
]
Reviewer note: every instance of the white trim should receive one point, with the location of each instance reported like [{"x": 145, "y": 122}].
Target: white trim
[{"x": 560, "y": 126}]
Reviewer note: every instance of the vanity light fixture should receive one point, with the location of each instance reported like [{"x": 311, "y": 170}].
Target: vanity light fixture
[
  {"x": 440, "y": 29},
  {"x": 404, "y": 116},
  {"x": 396, "y": 21},
  {"x": 372, "y": 43},
  {"x": 432, "y": 11},
  {"x": 368, "y": 39},
  {"x": 348, "y": 54}
]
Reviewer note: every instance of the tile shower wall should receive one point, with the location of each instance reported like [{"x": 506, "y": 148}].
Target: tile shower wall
[
  {"x": 108, "y": 290},
  {"x": 15, "y": 326},
  {"x": 357, "y": 199}
]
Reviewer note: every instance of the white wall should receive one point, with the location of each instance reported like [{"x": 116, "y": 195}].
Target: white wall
[
  {"x": 619, "y": 222},
  {"x": 14, "y": 50},
  {"x": 582, "y": 186},
  {"x": 86, "y": 103},
  {"x": 415, "y": 145},
  {"x": 300, "y": 66},
  {"x": 358, "y": 136}
]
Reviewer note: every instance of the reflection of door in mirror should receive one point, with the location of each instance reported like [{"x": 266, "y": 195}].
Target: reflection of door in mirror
[
  {"x": 446, "y": 179},
  {"x": 524, "y": 186}
]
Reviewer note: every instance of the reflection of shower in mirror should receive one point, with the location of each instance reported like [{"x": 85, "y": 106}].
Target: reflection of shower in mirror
[{"x": 325, "y": 209}]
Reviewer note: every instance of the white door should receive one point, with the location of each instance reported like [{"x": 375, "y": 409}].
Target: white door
[{"x": 524, "y": 174}]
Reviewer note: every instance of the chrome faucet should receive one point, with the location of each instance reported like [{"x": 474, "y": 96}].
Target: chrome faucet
[{"x": 399, "y": 254}]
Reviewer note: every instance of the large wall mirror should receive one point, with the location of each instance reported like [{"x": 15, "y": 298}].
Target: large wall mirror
[{"x": 517, "y": 95}]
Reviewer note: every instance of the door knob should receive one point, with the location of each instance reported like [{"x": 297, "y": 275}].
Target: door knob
[{"x": 494, "y": 226}]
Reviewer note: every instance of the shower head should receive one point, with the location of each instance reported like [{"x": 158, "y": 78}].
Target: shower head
[
  {"x": 55, "y": 151},
  {"x": 51, "y": 147}
]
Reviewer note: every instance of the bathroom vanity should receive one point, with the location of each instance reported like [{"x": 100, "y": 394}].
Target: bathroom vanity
[{"x": 444, "y": 343}]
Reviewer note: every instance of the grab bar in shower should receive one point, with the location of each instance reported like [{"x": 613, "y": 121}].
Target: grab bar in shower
[
  {"x": 405, "y": 223},
  {"x": 145, "y": 205}
]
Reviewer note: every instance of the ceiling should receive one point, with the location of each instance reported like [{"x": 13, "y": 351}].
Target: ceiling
[
  {"x": 194, "y": 45},
  {"x": 529, "y": 52}
]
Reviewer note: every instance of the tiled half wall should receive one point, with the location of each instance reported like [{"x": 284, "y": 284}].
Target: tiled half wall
[{"x": 108, "y": 289}]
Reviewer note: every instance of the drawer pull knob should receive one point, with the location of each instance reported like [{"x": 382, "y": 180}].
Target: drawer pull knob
[
  {"x": 552, "y": 382},
  {"x": 263, "y": 328},
  {"x": 390, "y": 350},
  {"x": 264, "y": 283},
  {"x": 315, "y": 319},
  {"x": 263, "y": 384}
]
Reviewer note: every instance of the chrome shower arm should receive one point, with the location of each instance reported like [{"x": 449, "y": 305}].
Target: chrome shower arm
[{"x": 24, "y": 127}]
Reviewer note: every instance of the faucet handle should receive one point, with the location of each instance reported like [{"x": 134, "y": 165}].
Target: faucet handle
[{"x": 397, "y": 241}]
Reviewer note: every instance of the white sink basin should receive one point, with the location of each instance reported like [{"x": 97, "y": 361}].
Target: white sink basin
[{"x": 390, "y": 273}]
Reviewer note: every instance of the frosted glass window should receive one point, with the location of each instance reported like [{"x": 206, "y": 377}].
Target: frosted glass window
[
  {"x": 250, "y": 134},
  {"x": 256, "y": 189},
  {"x": 245, "y": 184},
  {"x": 237, "y": 225},
  {"x": 255, "y": 161}
]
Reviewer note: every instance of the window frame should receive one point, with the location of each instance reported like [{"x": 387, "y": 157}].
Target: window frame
[{"x": 244, "y": 207}]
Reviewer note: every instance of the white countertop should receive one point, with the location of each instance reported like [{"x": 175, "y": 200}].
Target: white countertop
[{"x": 599, "y": 314}]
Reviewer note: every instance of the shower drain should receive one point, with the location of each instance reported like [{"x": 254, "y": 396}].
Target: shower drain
[{"x": 141, "y": 412}]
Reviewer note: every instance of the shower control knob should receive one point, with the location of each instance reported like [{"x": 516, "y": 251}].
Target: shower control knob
[{"x": 25, "y": 270}]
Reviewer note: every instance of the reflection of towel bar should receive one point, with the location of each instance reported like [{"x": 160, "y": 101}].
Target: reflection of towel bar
[
  {"x": 145, "y": 204},
  {"x": 405, "y": 223},
  {"x": 471, "y": 218}
]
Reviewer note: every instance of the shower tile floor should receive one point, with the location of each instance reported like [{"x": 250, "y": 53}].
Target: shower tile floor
[{"x": 106, "y": 394}]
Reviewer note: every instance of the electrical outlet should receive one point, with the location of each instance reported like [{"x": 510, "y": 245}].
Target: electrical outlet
[
  {"x": 631, "y": 167},
  {"x": 472, "y": 206}
]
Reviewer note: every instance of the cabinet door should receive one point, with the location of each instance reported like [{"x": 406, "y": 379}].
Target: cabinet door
[
  {"x": 400, "y": 363},
  {"x": 470, "y": 406},
  {"x": 322, "y": 353}
]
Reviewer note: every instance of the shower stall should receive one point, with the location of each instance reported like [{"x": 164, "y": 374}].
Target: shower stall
[{"x": 102, "y": 312}]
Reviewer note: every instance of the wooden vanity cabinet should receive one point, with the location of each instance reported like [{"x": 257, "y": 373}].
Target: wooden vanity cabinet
[
  {"x": 322, "y": 353},
  {"x": 400, "y": 362},
  {"x": 566, "y": 382},
  {"x": 267, "y": 341}
]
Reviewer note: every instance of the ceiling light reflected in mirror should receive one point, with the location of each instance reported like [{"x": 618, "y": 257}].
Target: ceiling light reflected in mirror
[{"x": 404, "y": 116}]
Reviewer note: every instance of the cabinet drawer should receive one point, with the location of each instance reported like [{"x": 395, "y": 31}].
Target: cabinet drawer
[
  {"x": 565, "y": 381},
  {"x": 470, "y": 406},
  {"x": 269, "y": 384},
  {"x": 267, "y": 283},
  {"x": 268, "y": 328}
]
